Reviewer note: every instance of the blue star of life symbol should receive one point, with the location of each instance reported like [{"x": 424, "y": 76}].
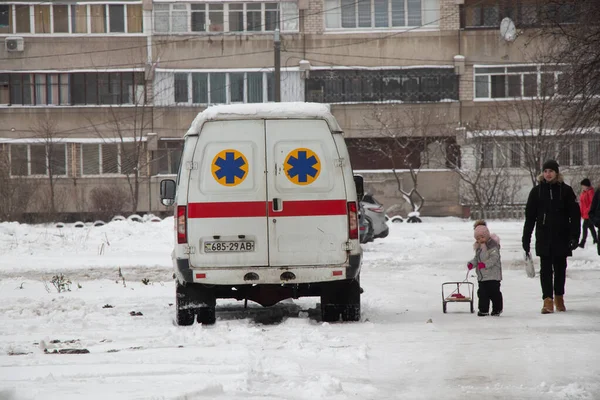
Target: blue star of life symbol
[
  {"x": 302, "y": 166},
  {"x": 230, "y": 168}
]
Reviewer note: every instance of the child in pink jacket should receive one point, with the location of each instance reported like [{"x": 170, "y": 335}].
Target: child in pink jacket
[{"x": 488, "y": 266}]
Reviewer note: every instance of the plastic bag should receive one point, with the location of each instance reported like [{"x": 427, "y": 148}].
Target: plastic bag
[{"x": 529, "y": 267}]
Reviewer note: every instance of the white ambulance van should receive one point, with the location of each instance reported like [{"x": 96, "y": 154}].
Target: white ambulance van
[{"x": 266, "y": 209}]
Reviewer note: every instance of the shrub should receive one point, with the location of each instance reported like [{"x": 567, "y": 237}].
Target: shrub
[{"x": 107, "y": 201}]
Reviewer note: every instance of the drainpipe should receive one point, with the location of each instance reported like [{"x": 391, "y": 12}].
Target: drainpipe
[{"x": 149, "y": 80}]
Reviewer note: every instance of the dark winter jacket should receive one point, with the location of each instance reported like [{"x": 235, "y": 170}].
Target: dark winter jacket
[
  {"x": 553, "y": 210},
  {"x": 594, "y": 212}
]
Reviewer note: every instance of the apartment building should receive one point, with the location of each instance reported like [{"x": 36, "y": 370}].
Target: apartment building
[{"x": 97, "y": 94}]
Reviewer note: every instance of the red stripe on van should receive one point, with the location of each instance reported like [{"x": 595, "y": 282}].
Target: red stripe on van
[
  {"x": 309, "y": 208},
  {"x": 237, "y": 209},
  {"x": 245, "y": 209}
]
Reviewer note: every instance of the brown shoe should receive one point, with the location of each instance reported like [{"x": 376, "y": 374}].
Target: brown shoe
[
  {"x": 548, "y": 307},
  {"x": 559, "y": 302}
]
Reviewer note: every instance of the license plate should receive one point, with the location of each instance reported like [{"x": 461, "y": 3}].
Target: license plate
[{"x": 227, "y": 247}]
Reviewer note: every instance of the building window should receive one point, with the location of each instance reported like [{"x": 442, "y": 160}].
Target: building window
[
  {"x": 181, "y": 88},
  {"x": 515, "y": 155},
  {"x": 594, "y": 152},
  {"x": 199, "y": 87},
  {"x": 168, "y": 156},
  {"x": 216, "y": 21},
  {"x": 19, "y": 165},
  {"x": 79, "y": 19},
  {"x": 577, "y": 153},
  {"x": 21, "y": 89},
  {"x": 108, "y": 158},
  {"x": 236, "y": 17},
  {"x": 222, "y": 87},
  {"x": 106, "y": 88},
  {"x": 198, "y": 18},
  {"x": 563, "y": 154},
  {"x": 4, "y": 89},
  {"x": 42, "y": 18},
  {"x": 38, "y": 159},
  {"x": 135, "y": 18},
  {"x": 375, "y": 85},
  {"x": 525, "y": 13},
  {"x": 23, "y": 18},
  {"x": 484, "y": 14},
  {"x": 60, "y": 18},
  {"x": 381, "y": 14},
  {"x": 117, "y": 17},
  {"x": 80, "y": 88},
  {"x": 518, "y": 82},
  {"x": 225, "y": 17},
  {"x": 272, "y": 16},
  {"x": 64, "y": 18},
  {"x": 6, "y": 19},
  {"x": 98, "y": 18},
  {"x": 487, "y": 155}
]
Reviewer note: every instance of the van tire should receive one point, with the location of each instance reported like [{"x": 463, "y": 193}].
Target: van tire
[
  {"x": 342, "y": 297},
  {"x": 184, "y": 313},
  {"x": 206, "y": 315},
  {"x": 351, "y": 305},
  {"x": 351, "y": 312},
  {"x": 330, "y": 312},
  {"x": 206, "y": 301}
]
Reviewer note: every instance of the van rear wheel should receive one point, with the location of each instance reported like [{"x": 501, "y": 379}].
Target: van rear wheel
[
  {"x": 343, "y": 298},
  {"x": 205, "y": 301},
  {"x": 184, "y": 305},
  {"x": 351, "y": 306},
  {"x": 330, "y": 312},
  {"x": 206, "y": 315}
]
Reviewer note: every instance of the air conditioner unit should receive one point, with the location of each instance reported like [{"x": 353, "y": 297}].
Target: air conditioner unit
[{"x": 14, "y": 43}]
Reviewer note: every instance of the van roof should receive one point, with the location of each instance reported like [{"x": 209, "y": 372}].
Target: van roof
[{"x": 292, "y": 110}]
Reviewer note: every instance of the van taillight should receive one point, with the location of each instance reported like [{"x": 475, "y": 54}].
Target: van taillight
[
  {"x": 352, "y": 220},
  {"x": 181, "y": 225}
]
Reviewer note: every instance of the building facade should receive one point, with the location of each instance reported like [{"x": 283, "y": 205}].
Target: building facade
[{"x": 97, "y": 94}]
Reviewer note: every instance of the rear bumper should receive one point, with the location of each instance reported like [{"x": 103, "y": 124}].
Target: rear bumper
[{"x": 268, "y": 275}]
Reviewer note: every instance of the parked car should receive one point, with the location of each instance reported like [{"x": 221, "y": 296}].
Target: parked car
[
  {"x": 375, "y": 216},
  {"x": 365, "y": 226}
]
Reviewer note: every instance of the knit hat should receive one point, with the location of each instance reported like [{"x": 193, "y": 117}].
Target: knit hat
[
  {"x": 550, "y": 164},
  {"x": 482, "y": 231},
  {"x": 586, "y": 182}
]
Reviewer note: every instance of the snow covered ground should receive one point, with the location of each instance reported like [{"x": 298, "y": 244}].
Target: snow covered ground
[{"x": 404, "y": 347}]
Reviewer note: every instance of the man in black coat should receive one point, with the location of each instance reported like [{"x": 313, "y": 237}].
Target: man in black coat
[{"x": 553, "y": 210}]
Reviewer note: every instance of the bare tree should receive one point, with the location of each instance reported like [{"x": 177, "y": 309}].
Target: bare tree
[
  {"x": 15, "y": 191},
  {"x": 127, "y": 126},
  {"x": 486, "y": 183},
  {"x": 402, "y": 136},
  {"x": 51, "y": 160},
  {"x": 535, "y": 130},
  {"x": 572, "y": 30}
]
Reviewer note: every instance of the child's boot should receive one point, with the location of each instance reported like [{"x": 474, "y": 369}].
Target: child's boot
[
  {"x": 559, "y": 302},
  {"x": 548, "y": 307}
]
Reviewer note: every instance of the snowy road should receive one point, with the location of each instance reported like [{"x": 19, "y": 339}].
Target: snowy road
[{"x": 286, "y": 352}]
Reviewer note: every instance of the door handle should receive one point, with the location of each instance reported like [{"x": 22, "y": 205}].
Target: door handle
[{"x": 277, "y": 204}]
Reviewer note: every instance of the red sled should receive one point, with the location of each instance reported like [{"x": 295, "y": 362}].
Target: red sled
[{"x": 451, "y": 293}]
